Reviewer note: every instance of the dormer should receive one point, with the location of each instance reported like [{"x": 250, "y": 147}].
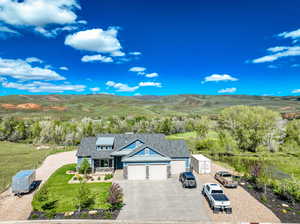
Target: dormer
[{"x": 105, "y": 143}]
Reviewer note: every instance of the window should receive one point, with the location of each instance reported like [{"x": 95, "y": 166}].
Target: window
[
  {"x": 147, "y": 152},
  {"x": 106, "y": 163}
]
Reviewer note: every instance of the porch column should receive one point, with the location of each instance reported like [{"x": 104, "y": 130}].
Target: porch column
[{"x": 113, "y": 163}]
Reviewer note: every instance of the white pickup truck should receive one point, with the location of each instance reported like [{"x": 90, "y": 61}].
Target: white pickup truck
[{"x": 217, "y": 200}]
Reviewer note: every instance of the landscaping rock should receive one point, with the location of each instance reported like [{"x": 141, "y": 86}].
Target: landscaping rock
[
  {"x": 285, "y": 205},
  {"x": 93, "y": 212},
  {"x": 68, "y": 214}
]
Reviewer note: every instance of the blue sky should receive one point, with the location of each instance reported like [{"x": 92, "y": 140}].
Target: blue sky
[{"x": 142, "y": 47}]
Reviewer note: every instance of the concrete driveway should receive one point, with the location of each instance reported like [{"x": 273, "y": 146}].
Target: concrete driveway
[{"x": 164, "y": 200}]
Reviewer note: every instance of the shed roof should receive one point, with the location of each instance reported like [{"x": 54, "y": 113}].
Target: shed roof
[{"x": 24, "y": 173}]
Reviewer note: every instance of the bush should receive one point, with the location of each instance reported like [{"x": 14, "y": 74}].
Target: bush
[
  {"x": 107, "y": 214},
  {"x": 49, "y": 205},
  {"x": 34, "y": 216},
  {"x": 115, "y": 198},
  {"x": 99, "y": 178},
  {"x": 85, "y": 166},
  {"x": 50, "y": 214},
  {"x": 84, "y": 198},
  {"x": 42, "y": 194},
  {"x": 108, "y": 176}
]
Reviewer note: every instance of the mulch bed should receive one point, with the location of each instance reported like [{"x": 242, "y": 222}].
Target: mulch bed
[
  {"x": 84, "y": 214},
  {"x": 290, "y": 214}
]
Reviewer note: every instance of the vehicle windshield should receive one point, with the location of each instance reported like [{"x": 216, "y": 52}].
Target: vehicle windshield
[
  {"x": 217, "y": 192},
  {"x": 190, "y": 178},
  {"x": 226, "y": 175}
]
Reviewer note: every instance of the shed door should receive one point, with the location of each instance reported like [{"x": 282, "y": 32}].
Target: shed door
[
  {"x": 136, "y": 172},
  {"x": 177, "y": 166},
  {"x": 157, "y": 172}
]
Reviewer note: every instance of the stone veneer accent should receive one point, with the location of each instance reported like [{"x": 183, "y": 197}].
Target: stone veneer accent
[
  {"x": 168, "y": 171},
  {"x": 125, "y": 172}
]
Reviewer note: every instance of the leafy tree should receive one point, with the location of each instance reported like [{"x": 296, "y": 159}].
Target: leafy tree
[
  {"x": 202, "y": 127},
  {"x": 293, "y": 131},
  {"x": 84, "y": 166},
  {"x": 84, "y": 198},
  {"x": 250, "y": 126}
]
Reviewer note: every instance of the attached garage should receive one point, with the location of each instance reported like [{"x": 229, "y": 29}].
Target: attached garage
[
  {"x": 177, "y": 166},
  {"x": 157, "y": 172},
  {"x": 136, "y": 172}
]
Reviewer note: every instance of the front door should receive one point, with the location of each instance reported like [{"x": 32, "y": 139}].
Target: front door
[{"x": 118, "y": 162}]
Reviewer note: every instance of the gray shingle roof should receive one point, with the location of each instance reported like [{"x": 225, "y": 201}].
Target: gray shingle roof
[{"x": 171, "y": 148}]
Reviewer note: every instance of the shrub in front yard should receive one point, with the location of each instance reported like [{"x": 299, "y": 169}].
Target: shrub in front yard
[
  {"x": 85, "y": 167},
  {"x": 115, "y": 198},
  {"x": 108, "y": 176},
  {"x": 84, "y": 198}
]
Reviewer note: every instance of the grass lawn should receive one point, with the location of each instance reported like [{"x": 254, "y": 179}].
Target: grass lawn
[
  {"x": 17, "y": 156},
  {"x": 65, "y": 194}
]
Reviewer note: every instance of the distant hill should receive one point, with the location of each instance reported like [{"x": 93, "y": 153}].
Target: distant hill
[{"x": 76, "y": 106}]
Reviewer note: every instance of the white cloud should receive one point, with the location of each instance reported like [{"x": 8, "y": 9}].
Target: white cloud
[
  {"x": 44, "y": 87},
  {"x": 137, "y": 94},
  {"x": 156, "y": 84},
  {"x": 64, "y": 68},
  {"x": 279, "y": 52},
  {"x": 33, "y": 59},
  {"x": 137, "y": 69},
  {"x": 117, "y": 54},
  {"x": 95, "y": 40},
  {"x": 98, "y": 57},
  {"x": 219, "y": 77},
  {"x": 120, "y": 87},
  {"x": 95, "y": 89},
  {"x": 6, "y": 32},
  {"x": 292, "y": 34},
  {"x": 296, "y": 91},
  {"x": 54, "y": 32},
  {"x": 20, "y": 69},
  {"x": 38, "y": 12},
  {"x": 152, "y": 75},
  {"x": 136, "y": 53},
  {"x": 227, "y": 90}
]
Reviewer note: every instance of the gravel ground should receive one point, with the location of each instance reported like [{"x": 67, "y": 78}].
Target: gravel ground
[
  {"x": 245, "y": 208},
  {"x": 14, "y": 208}
]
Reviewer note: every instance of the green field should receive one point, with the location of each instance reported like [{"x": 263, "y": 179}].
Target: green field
[
  {"x": 65, "y": 194},
  {"x": 16, "y": 156},
  {"x": 94, "y": 106}
]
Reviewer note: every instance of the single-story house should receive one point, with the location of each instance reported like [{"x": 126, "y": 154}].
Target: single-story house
[{"x": 141, "y": 156}]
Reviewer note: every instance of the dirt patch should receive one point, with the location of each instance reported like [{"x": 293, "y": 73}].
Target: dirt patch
[
  {"x": 24, "y": 106},
  {"x": 58, "y": 108},
  {"x": 52, "y": 98},
  {"x": 31, "y": 106}
]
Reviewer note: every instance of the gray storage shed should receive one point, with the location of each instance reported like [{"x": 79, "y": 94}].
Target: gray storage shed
[{"x": 22, "y": 182}]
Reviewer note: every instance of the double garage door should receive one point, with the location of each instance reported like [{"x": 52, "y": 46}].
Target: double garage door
[{"x": 139, "y": 172}]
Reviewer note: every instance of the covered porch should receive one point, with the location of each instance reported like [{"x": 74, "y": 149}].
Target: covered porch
[{"x": 105, "y": 165}]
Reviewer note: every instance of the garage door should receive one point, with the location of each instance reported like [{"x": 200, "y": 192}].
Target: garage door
[
  {"x": 136, "y": 172},
  {"x": 177, "y": 166},
  {"x": 157, "y": 172}
]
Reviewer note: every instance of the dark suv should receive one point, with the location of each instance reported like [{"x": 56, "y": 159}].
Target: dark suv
[{"x": 188, "y": 179}]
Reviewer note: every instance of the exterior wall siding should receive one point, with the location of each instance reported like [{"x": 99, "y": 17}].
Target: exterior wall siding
[{"x": 187, "y": 162}]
